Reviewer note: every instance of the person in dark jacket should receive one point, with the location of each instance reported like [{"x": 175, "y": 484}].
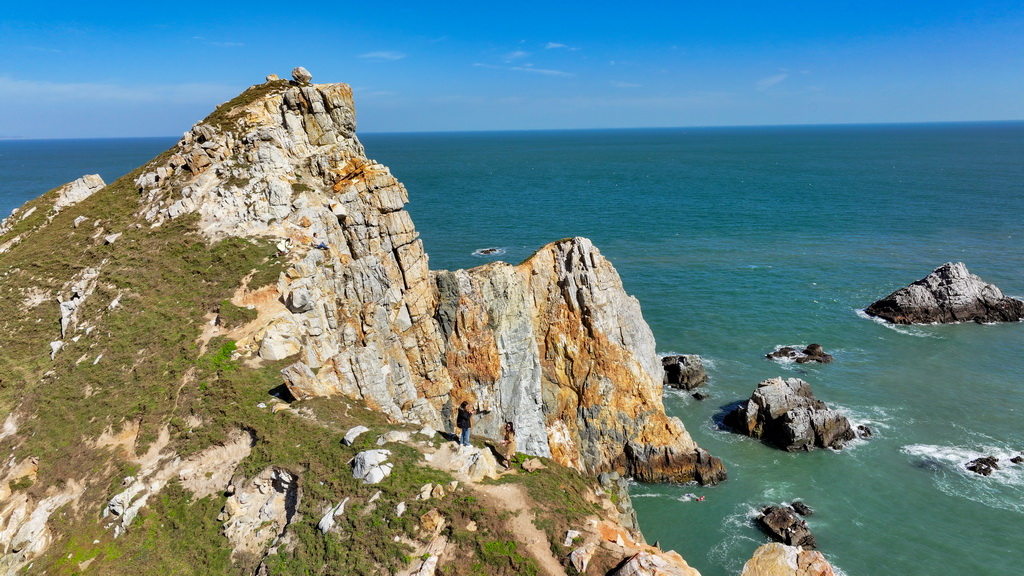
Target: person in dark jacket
[{"x": 464, "y": 421}]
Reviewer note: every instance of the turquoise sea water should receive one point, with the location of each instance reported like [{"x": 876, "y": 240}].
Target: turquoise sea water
[{"x": 738, "y": 240}]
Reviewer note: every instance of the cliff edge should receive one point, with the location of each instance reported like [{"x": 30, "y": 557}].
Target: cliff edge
[{"x": 156, "y": 324}]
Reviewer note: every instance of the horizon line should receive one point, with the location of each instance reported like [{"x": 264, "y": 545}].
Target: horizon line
[{"x": 517, "y": 130}]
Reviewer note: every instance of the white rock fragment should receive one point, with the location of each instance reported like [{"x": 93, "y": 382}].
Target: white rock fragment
[
  {"x": 372, "y": 466},
  {"x": 352, "y": 434},
  {"x": 400, "y": 509},
  {"x": 55, "y": 346},
  {"x": 570, "y": 536}
]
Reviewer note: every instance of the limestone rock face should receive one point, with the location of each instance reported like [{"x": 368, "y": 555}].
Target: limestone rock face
[
  {"x": 786, "y": 413},
  {"x": 557, "y": 346},
  {"x": 553, "y": 344},
  {"x": 776, "y": 559},
  {"x": 949, "y": 294}
]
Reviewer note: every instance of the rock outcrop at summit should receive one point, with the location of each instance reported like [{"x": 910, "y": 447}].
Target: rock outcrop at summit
[
  {"x": 554, "y": 344},
  {"x": 786, "y": 414},
  {"x": 949, "y": 294}
]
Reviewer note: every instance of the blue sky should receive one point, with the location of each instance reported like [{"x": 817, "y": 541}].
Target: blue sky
[{"x": 101, "y": 69}]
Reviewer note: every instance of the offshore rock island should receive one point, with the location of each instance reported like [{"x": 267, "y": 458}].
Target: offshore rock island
[{"x": 192, "y": 342}]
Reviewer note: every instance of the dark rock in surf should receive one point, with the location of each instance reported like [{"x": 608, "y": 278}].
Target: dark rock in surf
[
  {"x": 699, "y": 396},
  {"x": 948, "y": 295},
  {"x": 685, "y": 371},
  {"x": 786, "y": 414},
  {"x": 864, "y": 432},
  {"x": 984, "y": 465},
  {"x": 812, "y": 353},
  {"x": 783, "y": 525},
  {"x": 1018, "y": 459},
  {"x": 802, "y": 509}
]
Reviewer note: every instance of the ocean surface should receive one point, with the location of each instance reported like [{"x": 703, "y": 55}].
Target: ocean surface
[{"x": 737, "y": 241}]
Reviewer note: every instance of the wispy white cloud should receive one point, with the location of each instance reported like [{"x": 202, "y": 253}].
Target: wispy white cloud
[
  {"x": 554, "y": 45},
  {"x": 625, "y": 85},
  {"x": 516, "y": 55},
  {"x": 766, "y": 83},
  {"x": 12, "y": 89},
  {"x": 526, "y": 68},
  {"x": 382, "y": 56}
]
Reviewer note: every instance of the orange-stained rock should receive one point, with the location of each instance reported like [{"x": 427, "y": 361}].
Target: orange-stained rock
[{"x": 775, "y": 559}]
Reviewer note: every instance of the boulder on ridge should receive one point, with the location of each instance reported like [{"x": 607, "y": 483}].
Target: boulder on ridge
[
  {"x": 684, "y": 371},
  {"x": 949, "y": 294},
  {"x": 785, "y": 413}
]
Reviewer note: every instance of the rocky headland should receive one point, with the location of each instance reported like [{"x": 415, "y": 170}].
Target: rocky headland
[
  {"x": 949, "y": 294},
  {"x": 218, "y": 319}
]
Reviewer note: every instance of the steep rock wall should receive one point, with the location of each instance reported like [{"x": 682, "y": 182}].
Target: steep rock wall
[{"x": 554, "y": 344}]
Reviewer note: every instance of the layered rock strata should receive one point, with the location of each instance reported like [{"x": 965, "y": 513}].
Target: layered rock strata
[
  {"x": 949, "y": 294},
  {"x": 553, "y": 344},
  {"x": 786, "y": 414}
]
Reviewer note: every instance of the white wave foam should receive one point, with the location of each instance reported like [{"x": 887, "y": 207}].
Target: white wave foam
[
  {"x": 901, "y": 328},
  {"x": 951, "y": 476}
]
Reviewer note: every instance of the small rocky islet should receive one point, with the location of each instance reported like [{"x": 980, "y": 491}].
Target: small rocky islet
[{"x": 950, "y": 294}]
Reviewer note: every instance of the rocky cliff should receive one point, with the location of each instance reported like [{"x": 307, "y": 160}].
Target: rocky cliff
[
  {"x": 554, "y": 345},
  {"x": 265, "y": 239}
]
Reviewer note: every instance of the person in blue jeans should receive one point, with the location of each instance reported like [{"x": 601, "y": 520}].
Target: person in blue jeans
[{"x": 464, "y": 421}]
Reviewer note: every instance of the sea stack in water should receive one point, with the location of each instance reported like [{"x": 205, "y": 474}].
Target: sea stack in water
[
  {"x": 685, "y": 371},
  {"x": 783, "y": 525},
  {"x": 785, "y": 413},
  {"x": 948, "y": 295}
]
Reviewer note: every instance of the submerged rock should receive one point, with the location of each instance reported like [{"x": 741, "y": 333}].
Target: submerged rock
[
  {"x": 812, "y": 353},
  {"x": 984, "y": 465},
  {"x": 949, "y": 294},
  {"x": 785, "y": 413},
  {"x": 684, "y": 371}
]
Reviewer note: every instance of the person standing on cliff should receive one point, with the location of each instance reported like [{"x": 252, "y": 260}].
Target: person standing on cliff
[
  {"x": 464, "y": 421},
  {"x": 508, "y": 440}
]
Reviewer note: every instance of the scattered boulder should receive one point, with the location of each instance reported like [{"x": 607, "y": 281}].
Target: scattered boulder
[
  {"x": 699, "y": 396},
  {"x": 78, "y": 190},
  {"x": 301, "y": 75},
  {"x": 1018, "y": 459},
  {"x": 783, "y": 525},
  {"x": 684, "y": 371},
  {"x": 352, "y": 434},
  {"x": 864, "y": 432},
  {"x": 949, "y": 294},
  {"x": 785, "y": 413},
  {"x": 775, "y": 559},
  {"x": 984, "y": 465},
  {"x": 812, "y": 353},
  {"x": 371, "y": 466}
]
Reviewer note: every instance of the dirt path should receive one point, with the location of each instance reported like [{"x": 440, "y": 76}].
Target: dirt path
[{"x": 512, "y": 498}]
